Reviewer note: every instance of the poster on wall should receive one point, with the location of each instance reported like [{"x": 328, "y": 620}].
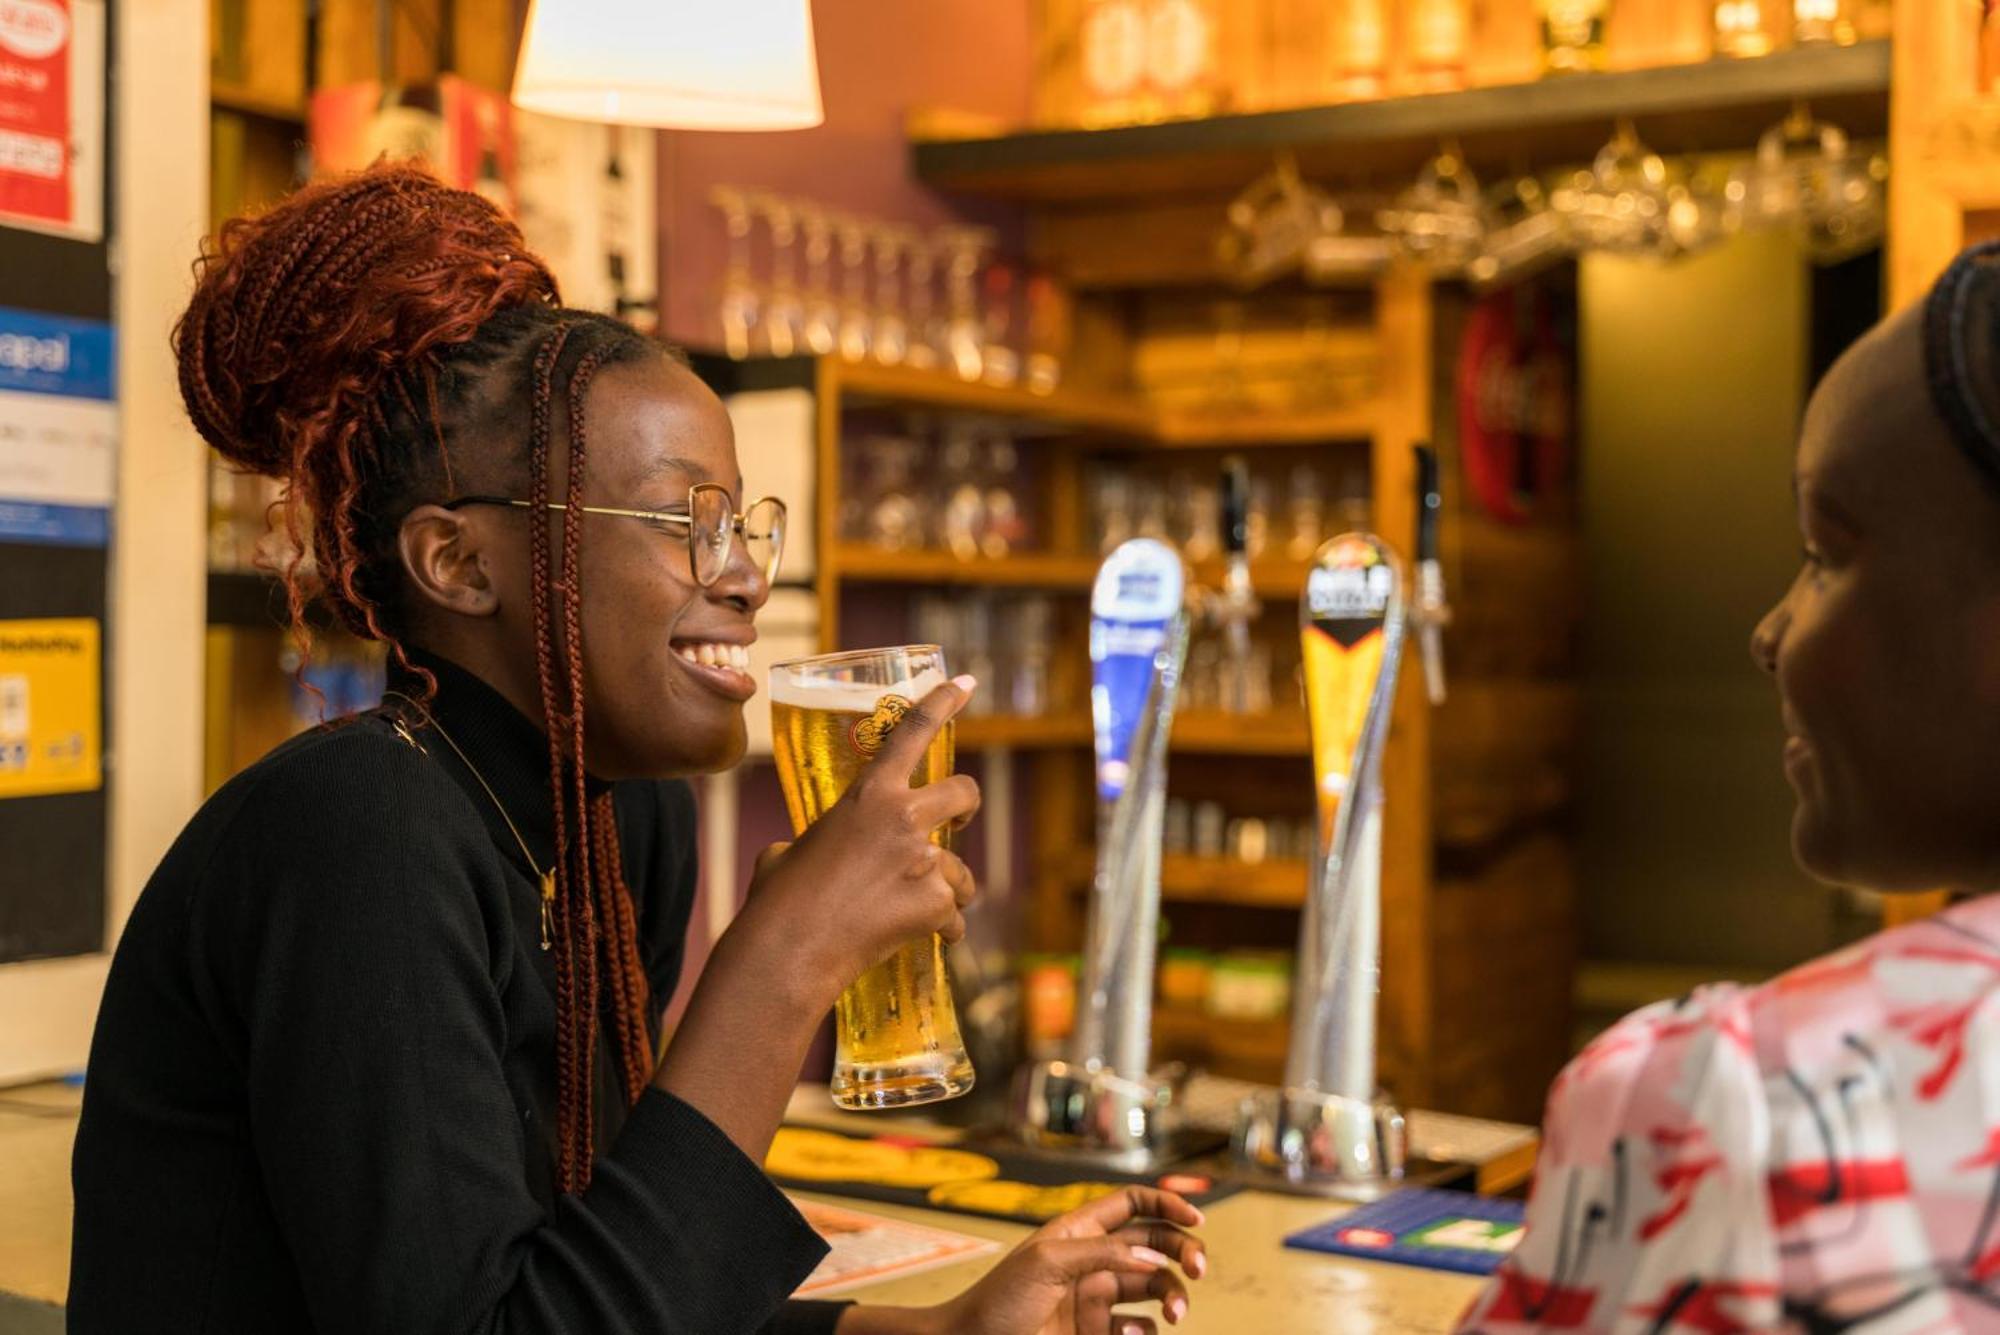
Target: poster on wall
[
  {"x": 58, "y": 429},
  {"x": 49, "y": 707},
  {"x": 465, "y": 133},
  {"x": 52, "y": 117},
  {"x": 586, "y": 196}
]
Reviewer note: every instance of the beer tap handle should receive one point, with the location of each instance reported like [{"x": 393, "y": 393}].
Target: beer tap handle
[
  {"x": 1239, "y": 603},
  {"x": 1236, "y": 509},
  {"x": 1431, "y": 611}
]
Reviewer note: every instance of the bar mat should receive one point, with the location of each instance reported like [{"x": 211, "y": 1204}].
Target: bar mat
[
  {"x": 1423, "y": 1226},
  {"x": 990, "y": 1183}
]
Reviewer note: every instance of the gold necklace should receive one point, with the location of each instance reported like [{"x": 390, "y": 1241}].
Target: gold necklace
[{"x": 547, "y": 878}]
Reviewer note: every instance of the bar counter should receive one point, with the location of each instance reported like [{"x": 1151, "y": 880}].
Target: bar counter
[{"x": 1254, "y": 1283}]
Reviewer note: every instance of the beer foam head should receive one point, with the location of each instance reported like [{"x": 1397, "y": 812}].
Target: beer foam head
[{"x": 852, "y": 696}]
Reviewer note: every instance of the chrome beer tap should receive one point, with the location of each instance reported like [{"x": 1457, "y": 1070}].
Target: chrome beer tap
[
  {"x": 1236, "y": 606},
  {"x": 1105, "y": 1100},
  {"x": 1329, "y": 1128}
]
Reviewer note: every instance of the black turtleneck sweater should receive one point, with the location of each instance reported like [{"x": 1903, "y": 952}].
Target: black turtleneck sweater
[{"x": 321, "y": 1096}]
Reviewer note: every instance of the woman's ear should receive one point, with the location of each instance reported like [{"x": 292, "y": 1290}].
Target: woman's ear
[{"x": 443, "y": 554}]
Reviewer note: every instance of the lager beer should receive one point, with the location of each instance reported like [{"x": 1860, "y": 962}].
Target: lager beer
[{"x": 896, "y": 1041}]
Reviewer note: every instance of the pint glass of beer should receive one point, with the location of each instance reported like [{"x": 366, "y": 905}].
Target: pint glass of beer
[{"x": 897, "y": 1040}]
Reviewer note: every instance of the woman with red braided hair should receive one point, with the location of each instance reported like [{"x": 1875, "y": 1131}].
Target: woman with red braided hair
[{"x": 380, "y": 1047}]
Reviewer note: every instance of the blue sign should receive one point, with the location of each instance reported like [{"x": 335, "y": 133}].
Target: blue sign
[
  {"x": 49, "y": 354},
  {"x": 58, "y": 429},
  {"x": 1137, "y": 596}
]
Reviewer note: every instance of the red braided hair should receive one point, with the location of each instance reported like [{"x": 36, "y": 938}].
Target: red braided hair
[{"x": 365, "y": 341}]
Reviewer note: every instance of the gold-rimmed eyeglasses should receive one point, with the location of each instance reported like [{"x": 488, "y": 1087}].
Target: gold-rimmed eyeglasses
[{"x": 711, "y": 523}]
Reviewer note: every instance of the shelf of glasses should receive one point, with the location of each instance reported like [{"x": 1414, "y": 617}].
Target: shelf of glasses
[
  {"x": 1019, "y": 570},
  {"x": 1080, "y": 409},
  {"x": 1713, "y": 105},
  {"x": 1278, "y": 883}
]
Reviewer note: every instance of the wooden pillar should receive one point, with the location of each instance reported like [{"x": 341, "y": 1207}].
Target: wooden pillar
[{"x": 1404, "y": 316}]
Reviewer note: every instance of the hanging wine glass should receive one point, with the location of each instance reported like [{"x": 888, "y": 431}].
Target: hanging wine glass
[
  {"x": 784, "y": 312},
  {"x": 891, "y": 339},
  {"x": 1806, "y": 176},
  {"x": 1441, "y": 220},
  {"x": 1525, "y": 234},
  {"x": 855, "y": 331},
  {"x": 965, "y": 249},
  {"x": 822, "y": 316},
  {"x": 1273, "y": 224},
  {"x": 1619, "y": 205},
  {"x": 920, "y": 298},
  {"x": 737, "y": 308}
]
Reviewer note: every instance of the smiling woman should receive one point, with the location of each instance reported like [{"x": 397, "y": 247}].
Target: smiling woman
[
  {"x": 380, "y": 1048},
  {"x": 1819, "y": 1153}
]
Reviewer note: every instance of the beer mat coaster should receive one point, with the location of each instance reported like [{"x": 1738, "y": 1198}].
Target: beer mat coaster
[
  {"x": 1423, "y": 1226},
  {"x": 993, "y": 1183},
  {"x": 868, "y": 1248}
]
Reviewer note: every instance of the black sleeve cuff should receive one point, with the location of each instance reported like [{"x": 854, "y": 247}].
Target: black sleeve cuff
[{"x": 699, "y": 1209}]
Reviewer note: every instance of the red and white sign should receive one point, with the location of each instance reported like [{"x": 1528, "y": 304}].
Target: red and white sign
[{"x": 52, "y": 115}]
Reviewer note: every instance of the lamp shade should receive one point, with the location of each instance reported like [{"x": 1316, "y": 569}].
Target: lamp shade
[{"x": 681, "y": 64}]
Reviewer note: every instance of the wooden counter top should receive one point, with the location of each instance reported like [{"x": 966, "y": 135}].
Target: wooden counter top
[{"x": 1254, "y": 1283}]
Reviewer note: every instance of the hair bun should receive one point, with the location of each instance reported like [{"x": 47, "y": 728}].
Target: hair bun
[{"x": 301, "y": 314}]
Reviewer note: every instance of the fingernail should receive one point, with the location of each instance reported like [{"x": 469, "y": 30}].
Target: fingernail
[
  {"x": 1150, "y": 1257},
  {"x": 1176, "y": 1309},
  {"x": 965, "y": 683},
  {"x": 1198, "y": 1264},
  {"x": 1132, "y": 1328}
]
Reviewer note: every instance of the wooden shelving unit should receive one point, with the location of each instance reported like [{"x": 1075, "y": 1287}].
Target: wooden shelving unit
[
  {"x": 1279, "y": 883},
  {"x": 1018, "y": 570},
  {"x": 860, "y": 384},
  {"x": 1715, "y": 105}
]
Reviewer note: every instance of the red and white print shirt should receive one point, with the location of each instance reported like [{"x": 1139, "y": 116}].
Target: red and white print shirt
[{"x": 1820, "y": 1153}]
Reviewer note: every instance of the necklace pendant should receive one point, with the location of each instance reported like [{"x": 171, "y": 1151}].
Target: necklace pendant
[{"x": 548, "y": 909}]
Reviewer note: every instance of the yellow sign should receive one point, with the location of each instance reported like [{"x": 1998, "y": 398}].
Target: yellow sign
[{"x": 50, "y": 707}]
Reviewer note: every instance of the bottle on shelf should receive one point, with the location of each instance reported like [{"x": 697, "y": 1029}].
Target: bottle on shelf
[
  {"x": 1573, "y": 33},
  {"x": 1180, "y": 59},
  {"x": 1746, "y": 29},
  {"x": 1112, "y": 41},
  {"x": 1358, "y": 45},
  {"x": 1440, "y": 34},
  {"x": 1823, "y": 21}
]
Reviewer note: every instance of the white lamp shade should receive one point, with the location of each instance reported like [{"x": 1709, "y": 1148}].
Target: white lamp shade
[{"x": 679, "y": 64}]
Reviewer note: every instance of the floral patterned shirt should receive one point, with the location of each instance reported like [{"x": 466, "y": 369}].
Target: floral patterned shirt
[{"x": 1820, "y": 1153}]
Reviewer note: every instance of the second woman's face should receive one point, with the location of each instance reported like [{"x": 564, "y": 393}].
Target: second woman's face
[
  {"x": 663, "y": 656},
  {"x": 1886, "y": 648}
]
